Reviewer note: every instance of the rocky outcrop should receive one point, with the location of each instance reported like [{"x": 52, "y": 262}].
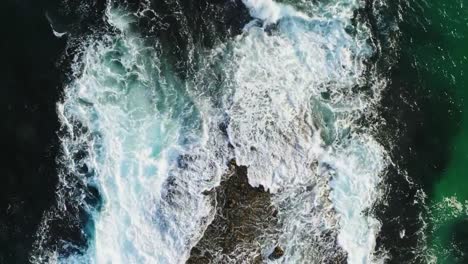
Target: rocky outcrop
[{"x": 244, "y": 214}]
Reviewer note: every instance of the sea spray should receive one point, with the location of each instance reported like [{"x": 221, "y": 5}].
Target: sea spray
[
  {"x": 280, "y": 98},
  {"x": 293, "y": 123},
  {"x": 145, "y": 142}
]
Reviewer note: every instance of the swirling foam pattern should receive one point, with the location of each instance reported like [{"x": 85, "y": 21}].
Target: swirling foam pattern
[{"x": 288, "y": 96}]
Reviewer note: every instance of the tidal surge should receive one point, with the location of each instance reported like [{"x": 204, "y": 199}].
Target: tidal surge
[{"x": 292, "y": 99}]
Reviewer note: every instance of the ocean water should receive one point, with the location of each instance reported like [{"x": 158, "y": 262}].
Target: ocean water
[
  {"x": 429, "y": 78},
  {"x": 350, "y": 114},
  {"x": 441, "y": 66}
]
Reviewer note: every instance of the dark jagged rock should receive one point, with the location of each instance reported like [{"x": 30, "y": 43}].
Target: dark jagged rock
[
  {"x": 277, "y": 253},
  {"x": 244, "y": 213}
]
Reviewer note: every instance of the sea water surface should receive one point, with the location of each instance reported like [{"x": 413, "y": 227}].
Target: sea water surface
[
  {"x": 439, "y": 59},
  {"x": 157, "y": 102}
]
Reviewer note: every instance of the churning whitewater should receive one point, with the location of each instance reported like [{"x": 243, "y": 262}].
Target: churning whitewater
[{"x": 292, "y": 92}]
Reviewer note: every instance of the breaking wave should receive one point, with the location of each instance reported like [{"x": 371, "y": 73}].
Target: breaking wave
[{"x": 291, "y": 95}]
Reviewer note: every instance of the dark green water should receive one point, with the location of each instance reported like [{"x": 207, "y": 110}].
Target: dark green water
[{"x": 434, "y": 52}]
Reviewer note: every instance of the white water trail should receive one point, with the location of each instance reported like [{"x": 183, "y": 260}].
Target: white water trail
[
  {"x": 148, "y": 148},
  {"x": 154, "y": 145},
  {"x": 293, "y": 105}
]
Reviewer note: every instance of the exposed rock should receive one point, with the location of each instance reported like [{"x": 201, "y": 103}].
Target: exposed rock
[
  {"x": 277, "y": 253},
  {"x": 244, "y": 213}
]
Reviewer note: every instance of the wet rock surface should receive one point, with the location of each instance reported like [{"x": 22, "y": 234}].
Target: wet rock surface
[
  {"x": 244, "y": 215},
  {"x": 277, "y": 253}
]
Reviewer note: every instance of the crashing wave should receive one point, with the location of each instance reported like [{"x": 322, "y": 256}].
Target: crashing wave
[{"x": 287, "y": 97}]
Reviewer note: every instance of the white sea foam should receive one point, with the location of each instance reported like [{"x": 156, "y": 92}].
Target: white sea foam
[
  {"x": 141, "y": 125},
  {"x": 154, "y": 145},
  {"x": 56, "y": 33},
  {"x": 281, "y": 124},
  {"x": 269, "y": 11}
]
